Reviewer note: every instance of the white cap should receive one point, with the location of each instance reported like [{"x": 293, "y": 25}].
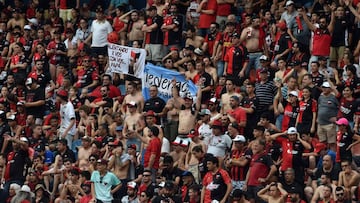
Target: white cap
[
  {"x": 29, "y": 81},
  {"x": 239, "y": 138},
  {"x": 25, "y": 188},
  {"x": 131, "y": 184},
  {"x": 213, "y": 100},
  {"x": 205, "y": 112},
  {"x": 24, "y": 139},
  {"x": 263, "y": 57},
  {"x": 288, "y": 3},
  {"x": 34, "y": 21},
  {"x": 198, "y": 51},
  {"x": 27, "y": 27},
  {"x": 326, "y": 84},
  {"x": 292, "y": 130},
  {"x": 294, "y": 93},
  {"x": 162, "y": 184}
]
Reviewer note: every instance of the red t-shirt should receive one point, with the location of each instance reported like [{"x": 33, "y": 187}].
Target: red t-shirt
[
  {"x": 114, "y": 92},
  {"x": 118, "y": 24},
  {"x": 239, "y": 114},
  {"x": 223, "y": 9},
  {"x": 259, "y": 168},
  {"x": 154, "y": 147},
  {"x": 321, "y": 42},
  {"x": 205, "y": 19}
]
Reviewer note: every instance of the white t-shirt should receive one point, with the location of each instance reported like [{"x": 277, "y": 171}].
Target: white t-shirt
[
  {"x": 67, "y": 113},
  {"x": 205, "y": 131},
  {"x": 217, "y": 145},
  {"x": 100, "y": 32}
]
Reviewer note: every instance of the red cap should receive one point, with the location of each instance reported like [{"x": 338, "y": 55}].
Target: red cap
[
  {"x": 193, "y": 133},
  {"x": 115, "y": 143},
  {"x": 281, "y": 24},
  {"x": 62, "y": 93},
  {"x": 150, "y": 113},
  {"x": 319, "y": 146},
  {"x": 217, "y": 123}
]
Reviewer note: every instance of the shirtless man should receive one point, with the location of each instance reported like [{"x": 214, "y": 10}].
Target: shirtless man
[
  {"x": 276, "y": 193},
  {"x": 119, "y": 162},
  {"x": 178, "y": 154},
  {"x": 348, "y": 177},
  {"x": 134, "y": 26},
  {"x": 191, "y": 162},
  {"x": 192, "y": 38},
  {"x": 84, "y": 151},
  {"x": 225, "y": 98},
  {"x": 210, "y": 69},
  {"x": 71, "y": 188},
  {"x": 17, "y": 20},
  {"x": 172, "y": 109},
  {"x": 132, "y": 95},
  {"x": 187, "y": 116},
  {"x": 253, "y": 37},
  {"x": 133, "y": 123}
]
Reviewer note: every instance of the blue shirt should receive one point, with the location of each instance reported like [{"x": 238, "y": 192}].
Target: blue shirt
[{"x": 103, "y": 185}]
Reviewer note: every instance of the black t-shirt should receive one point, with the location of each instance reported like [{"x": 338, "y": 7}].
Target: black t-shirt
[
  {"x": 33, "y": 96},
  {"x": 338, "y": 36},
  {"x": 156, "y": 36},
  {"x": 345, "y": 140},
  {"x": 171, "y": 175},
  {"x": 207, "y": 81},
  {"x": 156, "y": 104},
  {"x": 202, "y": 165},
  {"x": 334, "y": 173},
  {"x": 17, "y": 165},
  {"x": 68, "y": 154}
]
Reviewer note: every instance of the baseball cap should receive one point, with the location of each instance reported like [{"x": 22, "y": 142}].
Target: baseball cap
[
  {"x": 151, "y": 8},
  {"x": 132, "y": 146},
  {"x": 190, "y": 47},
  {"x": 193, "y": 133},
  {"x": 281, "y": 25},
  {"x": 131, "y": 185},
  {"x": 40, "y": 148},
  {"x": 198, "y": 51},
  {"x": 150, "y": 113},
  {"x": 102, "y": 161},
  {"x": 114, "y": 143},
  {"x": 20, "y": 103},
  {"x": 204, "y": 112},
  {"x": 235, "y": 35},
  {"x": 169, "y": 185},
  {"x": 264, "y": 58},
  {"x": 213, "y": 100},
  {"x": 63, "y": 141},
  {"x": 292, "y": 130},
  {"x": 62, "y": 93},
  {"x": 342, "y": 121},
  {"x": 319, "y": 146},
  {"x": 294, "y": 93},
  {"x": 119, "y": 128},
  {"x": 216, "y": 124},
  {"x": 326, "y": 85},
  {"x": 236, "y": 98},
  {"x": 288, "y": 3},
  {"x": 239, "y": 138},
  {"x": 186, "y": 173},
  {"x": 27, "y": 27}
]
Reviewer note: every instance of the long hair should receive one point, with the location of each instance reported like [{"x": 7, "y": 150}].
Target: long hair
[{"x": 20, "y": 196}]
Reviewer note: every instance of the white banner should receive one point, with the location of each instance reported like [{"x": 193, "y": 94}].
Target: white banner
[{"x": 127, "y": 60}]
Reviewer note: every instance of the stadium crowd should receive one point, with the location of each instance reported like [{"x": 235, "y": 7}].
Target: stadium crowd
[{"x": 275, "y": 117}]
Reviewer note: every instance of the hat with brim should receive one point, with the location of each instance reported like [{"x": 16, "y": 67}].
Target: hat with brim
[{"x": 319, "y": 146}]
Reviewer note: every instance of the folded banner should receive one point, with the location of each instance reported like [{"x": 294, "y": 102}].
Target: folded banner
[
  {"x": 161, "y": 78},
  {"x": 127, "y": 60}
]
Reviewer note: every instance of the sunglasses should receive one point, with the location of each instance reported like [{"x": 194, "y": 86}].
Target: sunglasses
[
  {"x": 92, "y": 159},
  {"x": 339, "y": 194},
  {"x": 146, "y": 175}
]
